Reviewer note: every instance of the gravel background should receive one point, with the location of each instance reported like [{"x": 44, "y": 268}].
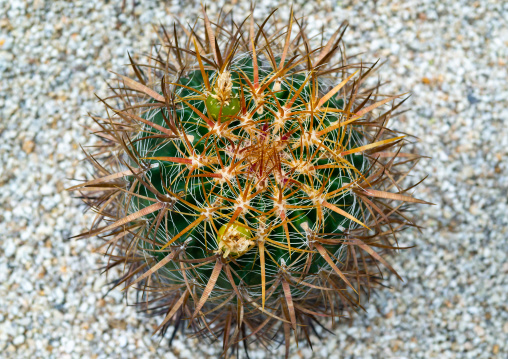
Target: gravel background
[{"x": 453, "y": 303}]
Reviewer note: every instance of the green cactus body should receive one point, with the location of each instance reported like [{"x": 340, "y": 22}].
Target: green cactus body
[{"x": 302, "y": 213}]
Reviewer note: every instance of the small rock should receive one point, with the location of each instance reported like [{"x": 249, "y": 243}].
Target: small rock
[
  {"x": 495, "y": 349},
  {"x": 20, "y": 339},
  {"x": 28, "y": 146},
  {"x": 479, "y": 331}
]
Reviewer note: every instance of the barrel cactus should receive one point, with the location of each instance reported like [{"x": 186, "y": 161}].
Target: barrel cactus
[{"x": 247, "y": 183}]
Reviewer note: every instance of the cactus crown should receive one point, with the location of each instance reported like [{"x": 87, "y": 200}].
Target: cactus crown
[{"x": 253, "y": 181}]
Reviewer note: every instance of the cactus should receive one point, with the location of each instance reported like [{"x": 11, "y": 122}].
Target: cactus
[{"x": 245, "y": 183}]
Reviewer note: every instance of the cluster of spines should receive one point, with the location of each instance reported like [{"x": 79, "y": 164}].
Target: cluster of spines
[{"x": 199, "y": 280}]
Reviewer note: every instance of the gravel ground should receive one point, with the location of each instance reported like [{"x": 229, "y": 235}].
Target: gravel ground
[{"x": 453, "y": 58}]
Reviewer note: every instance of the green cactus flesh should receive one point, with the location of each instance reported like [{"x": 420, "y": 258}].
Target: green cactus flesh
[{"x": 173, "y": 178}]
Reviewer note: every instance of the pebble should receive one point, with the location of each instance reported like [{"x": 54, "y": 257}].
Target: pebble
[
  {"x": 20, "y": 339},
  {"x": 451, "y": 56}
]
